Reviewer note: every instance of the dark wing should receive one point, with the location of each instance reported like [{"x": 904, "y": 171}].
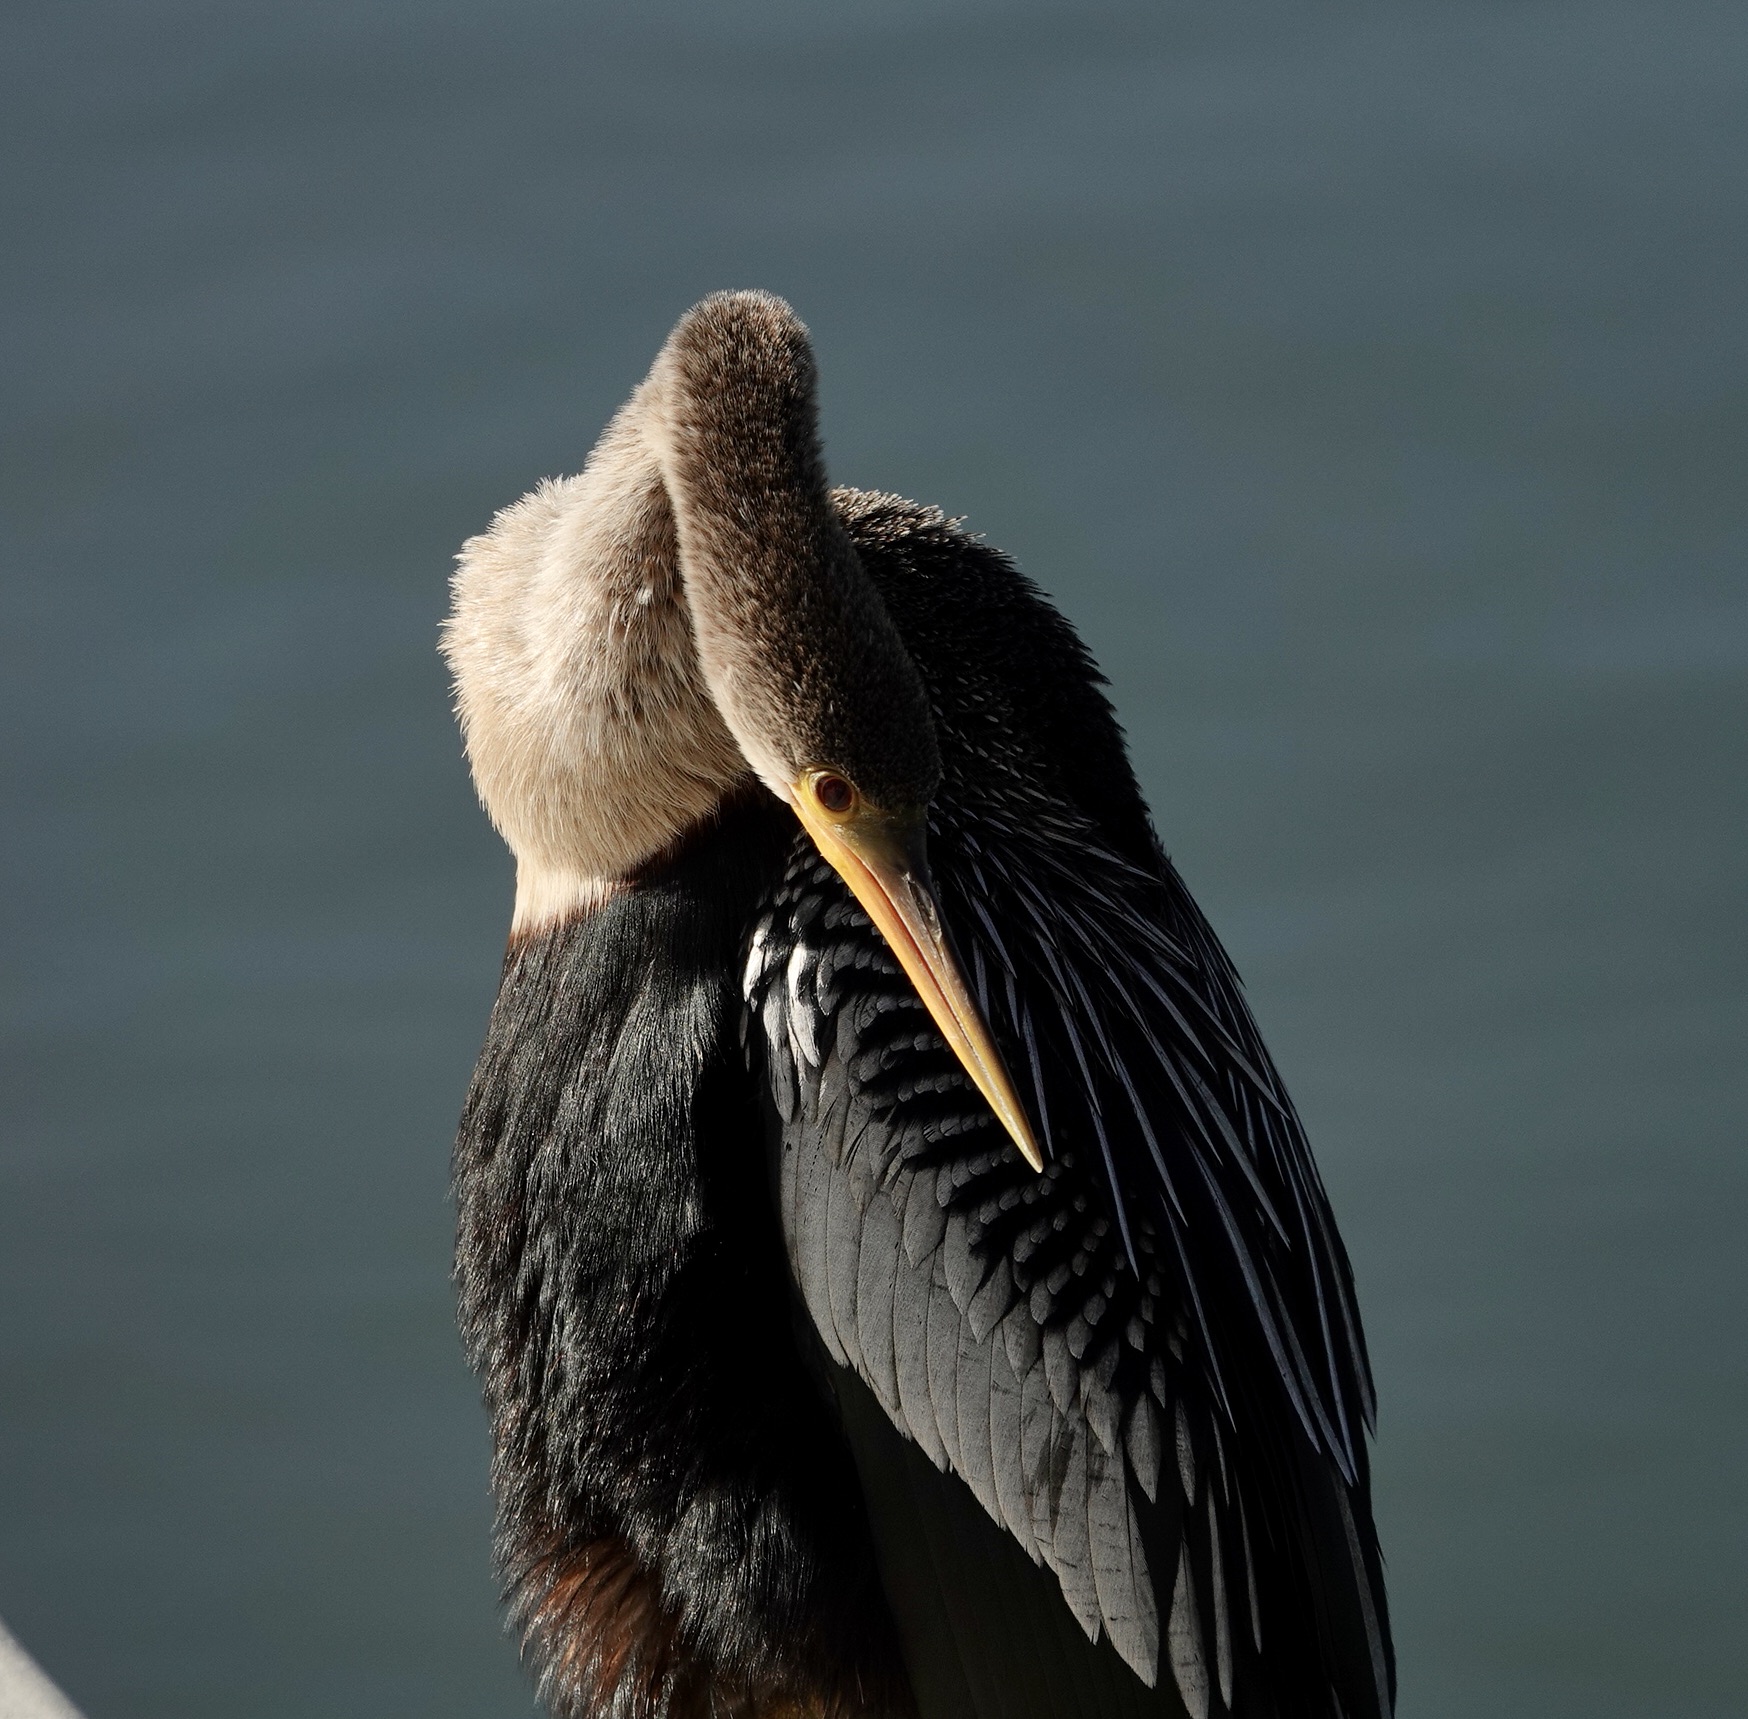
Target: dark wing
[{"x": 1146, "y": 1362}]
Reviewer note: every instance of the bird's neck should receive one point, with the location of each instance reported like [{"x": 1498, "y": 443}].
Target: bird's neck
[{"x": 594, "y": 741}]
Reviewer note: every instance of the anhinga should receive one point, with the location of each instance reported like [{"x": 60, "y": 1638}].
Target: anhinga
[{"x": 899, "y": 1279}]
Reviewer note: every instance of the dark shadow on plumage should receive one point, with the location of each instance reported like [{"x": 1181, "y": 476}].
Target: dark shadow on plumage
[{"x": 838, "y": 909}]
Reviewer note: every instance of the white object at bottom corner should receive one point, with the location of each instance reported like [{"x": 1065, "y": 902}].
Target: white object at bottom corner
[{"x": 25, "y": 1689}]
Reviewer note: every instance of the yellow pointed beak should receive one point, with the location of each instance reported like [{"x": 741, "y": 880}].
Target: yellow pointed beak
[{"x": 883, "y": 860}]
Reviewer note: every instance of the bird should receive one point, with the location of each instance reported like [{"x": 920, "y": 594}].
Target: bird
[{"x": 899, "y": 1281}]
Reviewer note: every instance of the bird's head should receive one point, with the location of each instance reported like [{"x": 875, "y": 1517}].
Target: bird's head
[{"x": 632, "y": 645}]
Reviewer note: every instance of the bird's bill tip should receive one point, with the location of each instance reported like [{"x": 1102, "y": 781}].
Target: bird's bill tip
[{"x": 882, "y": 859}]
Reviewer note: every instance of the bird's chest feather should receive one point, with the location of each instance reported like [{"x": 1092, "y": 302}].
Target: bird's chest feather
[{"x": 679, "y": 1526}]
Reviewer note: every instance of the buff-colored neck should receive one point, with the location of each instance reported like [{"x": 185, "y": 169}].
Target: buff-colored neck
[{"x": 593, "y": 739}]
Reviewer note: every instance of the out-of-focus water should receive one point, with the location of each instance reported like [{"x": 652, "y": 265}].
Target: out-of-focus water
[{"x": 1367, "y": 381}]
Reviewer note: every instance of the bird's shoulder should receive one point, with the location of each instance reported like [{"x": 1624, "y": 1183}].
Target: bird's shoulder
[{"x": 1014, "y": 689}]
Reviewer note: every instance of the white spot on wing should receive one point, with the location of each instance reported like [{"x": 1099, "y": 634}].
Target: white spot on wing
[
  {"x": 801, "y": 1012},
  {"x": 755, "y": 967}
]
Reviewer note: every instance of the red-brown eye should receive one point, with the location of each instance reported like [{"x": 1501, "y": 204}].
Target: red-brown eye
[{"x": 834, "y": 793}]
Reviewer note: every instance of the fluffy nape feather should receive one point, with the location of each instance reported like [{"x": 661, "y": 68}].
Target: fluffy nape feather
[{"x": 593, "y": 738}]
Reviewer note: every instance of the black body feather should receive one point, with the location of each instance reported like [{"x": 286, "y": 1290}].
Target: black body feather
[
  {"x": 1144, "y": 1365},
  {"x": 680, "y": 1529}
]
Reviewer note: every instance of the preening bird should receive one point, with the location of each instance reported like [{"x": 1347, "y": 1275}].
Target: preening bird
[{"x": 900, "y": 1282}]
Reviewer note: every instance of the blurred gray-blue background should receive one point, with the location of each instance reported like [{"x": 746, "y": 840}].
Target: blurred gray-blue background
[{"x": 1366, "y": 380}]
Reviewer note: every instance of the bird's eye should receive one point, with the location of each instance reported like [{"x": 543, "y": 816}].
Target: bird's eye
[{"x": 834, "y": 793}]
